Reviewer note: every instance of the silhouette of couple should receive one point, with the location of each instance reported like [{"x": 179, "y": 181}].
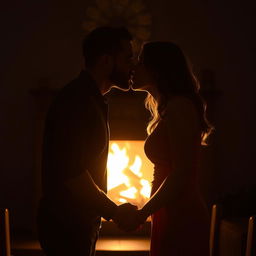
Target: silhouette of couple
[{"x": 76, "y": 142}]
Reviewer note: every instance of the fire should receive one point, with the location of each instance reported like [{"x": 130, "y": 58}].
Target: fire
[{"x": 127, "y": 181}]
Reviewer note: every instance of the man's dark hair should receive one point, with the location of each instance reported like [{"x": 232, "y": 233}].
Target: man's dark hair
[{"x": 103, "y": 40}]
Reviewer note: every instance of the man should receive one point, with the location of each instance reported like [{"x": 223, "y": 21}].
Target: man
[{"x": 76, "y": 147}]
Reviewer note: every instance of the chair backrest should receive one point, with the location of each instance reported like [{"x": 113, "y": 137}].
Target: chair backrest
[
  {"x": 5, "y": 244},
  {"x": 251, "y": 237},
  {"x": 216, "y": 216}
]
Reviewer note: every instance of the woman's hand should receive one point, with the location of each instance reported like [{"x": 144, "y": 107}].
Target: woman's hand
[
  {"x": 135, "y": 221},
  {"x": 129, "y": 218}
]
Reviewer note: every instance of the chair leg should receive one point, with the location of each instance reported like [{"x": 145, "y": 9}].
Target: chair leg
[
  {"x": 5, "y": 244},
  {"x": 214, "y": 230},
  {"x": 250, "y": 236}
]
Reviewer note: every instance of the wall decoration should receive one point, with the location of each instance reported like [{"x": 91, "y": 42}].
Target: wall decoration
[{"x": 132, "y": 14}]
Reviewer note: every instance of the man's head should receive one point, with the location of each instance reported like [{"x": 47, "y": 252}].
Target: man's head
[{"x": 109, "y": 50}]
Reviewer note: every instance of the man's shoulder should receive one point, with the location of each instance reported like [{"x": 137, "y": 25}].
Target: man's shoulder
[
  {"x": 73, "y": 97},
  {"x": 76, "y": 91},
  {"x": 76, "y": 87}
]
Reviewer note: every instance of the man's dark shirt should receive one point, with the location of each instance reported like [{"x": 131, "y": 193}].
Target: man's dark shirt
[{"x": 76, "y": 140}]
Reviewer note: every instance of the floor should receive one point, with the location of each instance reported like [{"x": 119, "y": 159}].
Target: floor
[
  {"x": 124, "y": 246},
  {"x": 112, "y": 242}
]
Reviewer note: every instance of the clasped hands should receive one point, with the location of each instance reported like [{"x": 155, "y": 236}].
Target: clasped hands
[{"x": 128, "y": 217}]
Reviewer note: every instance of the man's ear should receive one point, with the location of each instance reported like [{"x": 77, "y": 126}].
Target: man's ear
[{"x": 107, "y": 61}]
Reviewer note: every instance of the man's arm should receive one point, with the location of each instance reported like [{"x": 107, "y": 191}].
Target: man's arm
[
  {"x": 86, "y": 191},
  {"x": 75, "y": 143}
]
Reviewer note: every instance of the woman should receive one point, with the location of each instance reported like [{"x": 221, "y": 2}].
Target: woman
[{"x": 180, "y": 220}]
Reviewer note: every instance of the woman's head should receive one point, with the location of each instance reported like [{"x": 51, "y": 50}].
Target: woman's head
[
  {"x": 163, "y": 66},
  {"x": 164, "y": 70}
]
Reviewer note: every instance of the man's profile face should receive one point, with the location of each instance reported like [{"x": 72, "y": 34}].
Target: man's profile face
[{"x": 121, "y": 72}]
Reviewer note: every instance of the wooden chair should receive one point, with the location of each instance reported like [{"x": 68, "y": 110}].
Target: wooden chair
[
  {"x": 5, "y": 244},
  {"x": 241, "y": 225}
]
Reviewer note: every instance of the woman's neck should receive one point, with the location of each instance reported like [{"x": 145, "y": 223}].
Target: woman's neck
[{"x": 154, "y": 93}]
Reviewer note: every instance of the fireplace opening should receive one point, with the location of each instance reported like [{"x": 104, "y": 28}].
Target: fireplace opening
[{"x": 130, "y": 173}]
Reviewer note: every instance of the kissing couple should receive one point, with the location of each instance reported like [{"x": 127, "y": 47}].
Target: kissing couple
[{"x": 75, "y": 150}]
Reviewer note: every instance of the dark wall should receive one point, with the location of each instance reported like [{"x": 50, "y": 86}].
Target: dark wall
[{"x": 40, "y": 45}]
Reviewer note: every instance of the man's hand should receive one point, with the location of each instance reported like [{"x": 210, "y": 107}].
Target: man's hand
[{"x": 127, "y": 217}]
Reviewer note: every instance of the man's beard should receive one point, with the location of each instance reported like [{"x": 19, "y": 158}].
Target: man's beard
[{"x": 120, "y": 80}]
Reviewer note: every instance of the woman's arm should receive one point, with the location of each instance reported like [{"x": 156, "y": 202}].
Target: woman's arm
[{"x": 182, "y": 126}]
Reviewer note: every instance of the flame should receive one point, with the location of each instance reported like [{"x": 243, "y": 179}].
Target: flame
[
  {"x": 126, "y": 181},
  {"x": 135, "y": 167}
]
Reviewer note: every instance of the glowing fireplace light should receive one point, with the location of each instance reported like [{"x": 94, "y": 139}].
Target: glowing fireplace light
[{"x": 129, "y": 173}]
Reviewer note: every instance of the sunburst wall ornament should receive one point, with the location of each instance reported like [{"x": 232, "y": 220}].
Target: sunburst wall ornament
[{"x": 132, "y": 14}]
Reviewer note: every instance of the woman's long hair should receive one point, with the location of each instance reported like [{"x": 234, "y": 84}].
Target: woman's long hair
[{"x": 173, "y": 76}]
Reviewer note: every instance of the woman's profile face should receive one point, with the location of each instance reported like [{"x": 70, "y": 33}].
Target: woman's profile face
[{"x": 142, "y": 79}]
